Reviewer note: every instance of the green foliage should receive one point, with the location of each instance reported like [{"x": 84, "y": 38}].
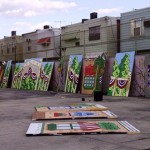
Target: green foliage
[
  {"x": 28, "y": 84},
  {"x": 6, "y": 76},
  {"x": 42, "y": 85},
  {"x": 116, "y": 70},
  {"x": 99, "y": 64},
  {"x": 120, "y": 71},
  {"x": 124, "y": 67},
  {"x": 48, "y": 68},
  {"x": 110, "y": 91},
  {"x": 76, "y": 66},
  {"x": 16, "y": 83},
  {"x": 17, "y": 68}
]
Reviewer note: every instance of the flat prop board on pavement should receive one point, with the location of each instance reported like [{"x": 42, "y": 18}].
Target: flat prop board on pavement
[
  {"x": 81, "y": 127},
  {"x": 76, "y": 107},
  {"x": 72, "y": 115}
]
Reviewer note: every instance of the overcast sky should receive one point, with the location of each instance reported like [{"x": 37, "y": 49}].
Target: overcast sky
[{"x": 26, "y": 16}]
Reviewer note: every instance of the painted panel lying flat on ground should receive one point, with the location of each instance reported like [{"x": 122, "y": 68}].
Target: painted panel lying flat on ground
[
  {"x": 17, "y": 76},
  {"x": 45, "y": 76},
  {"x": 30, "y": 74},
  {"x": 77, "y": 107},
  {"x": 74, "y": 67},
  {"x": 121, "y": 76},
  {"x": 72, "y": 115},
  {"x": 93, "y": 70},
  {"x": 6, "y": 75},
  {"x": 81, "y": 127}
]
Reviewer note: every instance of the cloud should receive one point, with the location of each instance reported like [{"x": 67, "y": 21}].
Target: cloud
[
  {"x": 33, "y": 7},
  {"x": 25, "y": 27},
  {"x": 108, "y": 11}
]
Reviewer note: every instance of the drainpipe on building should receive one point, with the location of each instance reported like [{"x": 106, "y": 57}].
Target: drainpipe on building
[
  {"x": 84, "y": 53},
  {"x": 118, "y": 35}
]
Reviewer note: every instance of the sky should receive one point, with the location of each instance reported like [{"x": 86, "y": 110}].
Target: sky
[{"x": 25, "y": 16}]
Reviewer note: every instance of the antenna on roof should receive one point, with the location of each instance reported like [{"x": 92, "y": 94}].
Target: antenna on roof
[{"x": 60, "y": 22}]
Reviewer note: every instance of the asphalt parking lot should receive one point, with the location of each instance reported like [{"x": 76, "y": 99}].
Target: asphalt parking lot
[{"x": 17, "y": 106}]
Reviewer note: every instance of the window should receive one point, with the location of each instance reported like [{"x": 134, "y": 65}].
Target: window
[
  {"x": 137, "y": 28},
  {"x": 13, "y": 49},
  {"x": 2, "y": 51},
  {"x": 94, "y": 33},
  {"x": 29, "y": 48},
  {"x": 7, "y": 50},
  {"x": 77, "y": 43}
]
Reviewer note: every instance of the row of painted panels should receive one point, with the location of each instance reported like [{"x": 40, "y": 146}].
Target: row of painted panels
[{"x": 34, "y": 74}]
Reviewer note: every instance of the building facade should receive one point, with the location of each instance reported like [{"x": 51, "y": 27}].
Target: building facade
[
  {"x": 135, "y": 31},
  {"x": 90, "y": 36},
  {"x": 11, "y": 48},
  {"x": 44, "y": 43}
]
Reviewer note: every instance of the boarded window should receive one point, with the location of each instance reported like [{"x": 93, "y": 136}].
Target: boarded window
[{"x": 94, "y": 33}]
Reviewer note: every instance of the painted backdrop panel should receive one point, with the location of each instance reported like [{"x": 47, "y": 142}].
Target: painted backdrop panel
[
  {"x": 74, "y": 67},
  {"x": 2, "y": 69},
  {"x": 93, "y": 70},
  {"x": 121, "y": 76},
  {"x": 147, "y": 76},
  {"x": 6, "y": 74},
  {"x": 16, "y": 81},
  {"x": 138, "y": 80},
  {"x": 30, "y": 74},
  {"x": 45, "y": 76}
]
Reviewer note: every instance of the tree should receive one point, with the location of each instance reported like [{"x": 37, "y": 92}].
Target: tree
[
  {"x": 99, "y": 64},
  {"x": 116, "y": 70},
  {"x": 75, "y": 65},
  {"x": 124, "y": 67}
]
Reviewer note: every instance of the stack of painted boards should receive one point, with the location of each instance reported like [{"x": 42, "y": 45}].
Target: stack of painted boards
[{"x": 90, "y": 111}]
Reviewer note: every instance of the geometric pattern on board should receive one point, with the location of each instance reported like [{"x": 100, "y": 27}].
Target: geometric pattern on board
[
  {"x": 31, "y": 73},
  {"x": 16, "y": 81},
  {"x": 120, "y": 80},
  {"x": 45, "y": 76},
  {"x": 74, "y": 68},
  {"x": 72, "y": 115},
  {"x": 93, "y": 70},
  {"x": 81, "y": 127},
  {"x": 77, "y": 107},
  {"x": 6, "y": 74}
]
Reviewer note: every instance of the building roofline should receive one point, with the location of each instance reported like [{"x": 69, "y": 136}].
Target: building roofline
[{"x": 134, "y": 10}]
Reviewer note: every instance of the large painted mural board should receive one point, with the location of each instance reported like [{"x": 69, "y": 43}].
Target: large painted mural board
[
  {"x": 93, "y": 70},
  {"x": 73, "y": 115},
  {"x": 121, "y": 76},
  {"x": 45, "y": 76},
  {"x": 138, "y": 77},
  {"x": 147, "y": 76},
  {"x": 2, "y": 69},
  {"x": 74, "y": 68},
  {"x": 30, "y": 73},
  {"x": 16, "y": 81},
  {"x": 6, "y": 74},
  {"x": 77, "y": 107},
  {"x": 81, "y": 127}
]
